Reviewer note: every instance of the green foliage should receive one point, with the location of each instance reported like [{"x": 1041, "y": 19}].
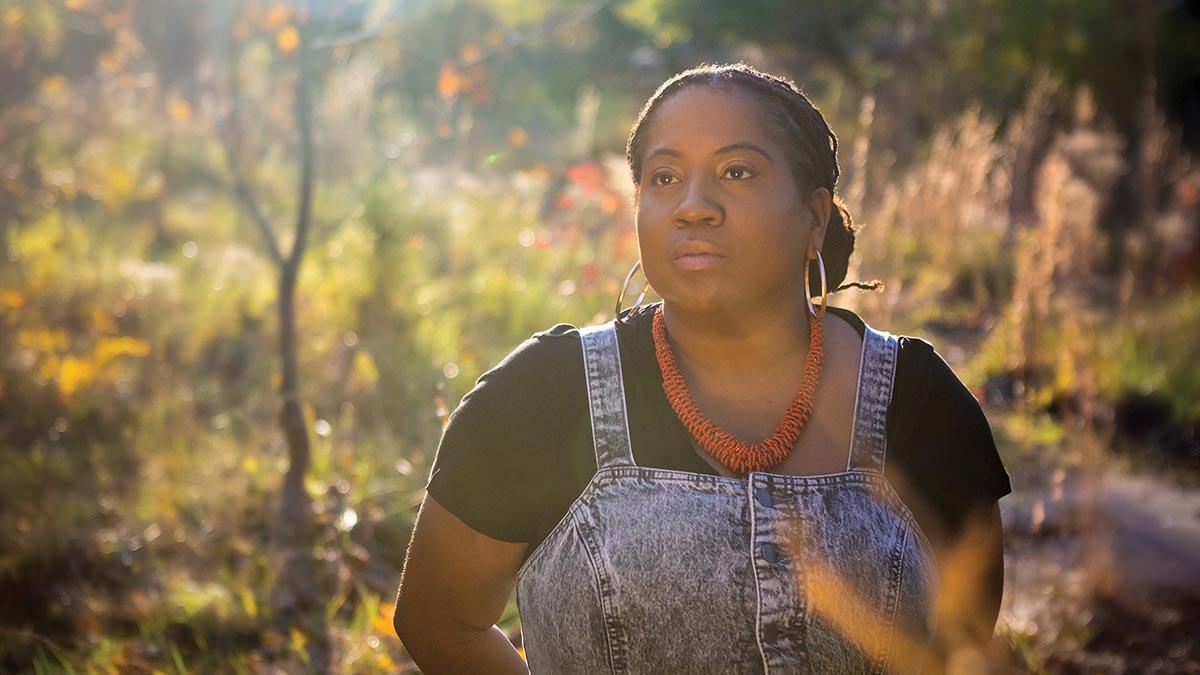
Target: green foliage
[{"x": 1158, "y": 352}]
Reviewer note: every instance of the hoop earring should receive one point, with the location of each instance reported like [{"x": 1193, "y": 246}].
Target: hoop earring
[
  {"x": 621, "y": 296},
  {"x": 824, "y": 289}
]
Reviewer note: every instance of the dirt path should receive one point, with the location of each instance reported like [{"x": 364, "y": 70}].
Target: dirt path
[
  {"x": 1155, "y": 534},
  {"x": 1103, "y": 571}
]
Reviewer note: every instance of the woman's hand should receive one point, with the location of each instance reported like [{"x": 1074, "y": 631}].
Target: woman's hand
[{"x": 455, "y": 585}]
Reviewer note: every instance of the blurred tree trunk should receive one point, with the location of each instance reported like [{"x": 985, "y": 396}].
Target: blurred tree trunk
[{"x": 296, "y": 598}]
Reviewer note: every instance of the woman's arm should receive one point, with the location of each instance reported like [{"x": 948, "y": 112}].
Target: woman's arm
[
  {"x": 993, "y": 574},
  {"x": 455, "y": 585},
  {"x": 972, "y": 585}
]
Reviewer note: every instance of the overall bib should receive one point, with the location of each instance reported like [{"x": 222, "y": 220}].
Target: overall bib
[{"x": 660, "y": 571}]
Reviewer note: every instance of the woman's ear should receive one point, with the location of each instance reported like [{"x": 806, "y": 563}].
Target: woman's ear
[{"x": 820, "y": 207}]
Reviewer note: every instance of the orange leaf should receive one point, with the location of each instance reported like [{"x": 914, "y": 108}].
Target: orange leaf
[
  {"x": 449, "y": 80},
  {"x": 288, "y": 39},
  {"x": 382, "y": 623},
  {"x": 469, "y": 53},
  {"x": 180, "y": 110},
  {"x": 589, "y": 176},
  {"x": 11, "y": 300},
  {"x": 276, "y": 17},
  {"x": 610, "y": 203},
  {"x": 13, "y": 16}
]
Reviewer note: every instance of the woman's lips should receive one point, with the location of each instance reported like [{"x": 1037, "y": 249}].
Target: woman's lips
[
  {"x": 696, "y": 254},
  {"x": 698, "y": 261}
]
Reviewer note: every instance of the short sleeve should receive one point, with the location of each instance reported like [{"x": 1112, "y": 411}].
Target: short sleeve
[
  {"x": 496, "y": 458},
  {"x": 943, "y": 444}
]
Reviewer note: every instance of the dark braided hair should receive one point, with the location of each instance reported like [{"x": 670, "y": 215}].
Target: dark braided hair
[{"x": 808, "y": 141}]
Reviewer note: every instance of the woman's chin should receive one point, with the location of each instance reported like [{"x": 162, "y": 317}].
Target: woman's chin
[{"x": 695, "y": 299}]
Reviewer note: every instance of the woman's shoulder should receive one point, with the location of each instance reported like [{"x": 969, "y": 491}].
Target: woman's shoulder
[
  {"x": 924, "y": 385},
  {"x": 528, "y": 388},
  {"x": 523, "y": 388},
  {"x": 555, "y": 348},
  {"x": 925, "y": 376},
  {"x": 913, "y": 353},
  {"x": 502, "y": 448}
]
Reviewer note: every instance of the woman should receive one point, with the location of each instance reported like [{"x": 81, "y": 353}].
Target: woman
[{"x": 732, "y": 480}]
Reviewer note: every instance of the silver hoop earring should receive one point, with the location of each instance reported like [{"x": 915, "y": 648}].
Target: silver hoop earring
[
  {"x": 621, "y": 296},
  {"x": 824, "y": 289}
]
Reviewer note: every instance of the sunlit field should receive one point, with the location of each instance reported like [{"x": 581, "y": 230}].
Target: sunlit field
[{"x": 255, "y": 252}]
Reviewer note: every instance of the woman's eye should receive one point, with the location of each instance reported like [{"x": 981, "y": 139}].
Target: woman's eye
[
  {"x": 661, "y": 178},
  {"x": 739, "y": 172}
]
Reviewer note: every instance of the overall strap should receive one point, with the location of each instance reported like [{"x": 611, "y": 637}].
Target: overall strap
[
  {"x": 868, "y": 440},
  {"x": 606, "y": 396}
]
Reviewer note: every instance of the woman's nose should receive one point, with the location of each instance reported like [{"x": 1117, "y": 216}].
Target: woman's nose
[{"x": 698, "y": 206}]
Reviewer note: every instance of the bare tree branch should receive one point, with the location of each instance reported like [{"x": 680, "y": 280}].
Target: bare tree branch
[
  {"x": 304, "y": 122},
  {"x": 242, "y": 188},
  {"x": 353, "y": 37},
  {"x": 229, "y": 142}
]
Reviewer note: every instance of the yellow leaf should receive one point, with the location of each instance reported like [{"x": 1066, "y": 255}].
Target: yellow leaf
[
  {"x": 180, "y": 110},
  {"x": 166, "y": 507},
  {"x": 288, "y": 39},
  {"x": 43, "y": 341},
  {"x": 103, "y": 322},
  {"x": 518, "y": 137},
  {"x": 13, "y": 16},
  {"x": 76, "y": 4},
  {"x": 53, "y": 84},
  {"x": 73, "y": 374},
  {"x": 110, "y": 348},
  {"x": 365, "y": 373},
  {"x": 298, "y": 640},
  {"x": 249, "y": 604},
  {"x": 120, "y": 183}
]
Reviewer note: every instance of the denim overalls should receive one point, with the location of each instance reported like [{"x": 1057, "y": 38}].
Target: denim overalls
[{"x": 659, "y": 571}]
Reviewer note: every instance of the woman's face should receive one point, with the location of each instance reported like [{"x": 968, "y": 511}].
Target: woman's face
[{"x": 720, "y": 218}]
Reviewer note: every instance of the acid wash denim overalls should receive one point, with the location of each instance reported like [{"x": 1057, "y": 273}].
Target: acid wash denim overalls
[{"x": 659, "y": 571}]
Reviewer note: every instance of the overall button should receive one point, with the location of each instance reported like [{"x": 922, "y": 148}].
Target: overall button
[
  {"x": 770, "y": 553},
  {"x": 770, "y": 634},
  {"x": 763, "y": 495}
]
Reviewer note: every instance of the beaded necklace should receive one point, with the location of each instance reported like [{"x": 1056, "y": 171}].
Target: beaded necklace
[{"x": 733, "y": 453}]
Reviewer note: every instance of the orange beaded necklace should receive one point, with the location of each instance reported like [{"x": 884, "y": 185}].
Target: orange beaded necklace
[{"x": 733, "y": 453}]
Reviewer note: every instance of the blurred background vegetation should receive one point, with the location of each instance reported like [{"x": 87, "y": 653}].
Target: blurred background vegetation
[{"x": 254, "y": 251}]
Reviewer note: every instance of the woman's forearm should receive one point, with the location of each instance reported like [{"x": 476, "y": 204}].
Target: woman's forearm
[{"x": 488, "y": 652}]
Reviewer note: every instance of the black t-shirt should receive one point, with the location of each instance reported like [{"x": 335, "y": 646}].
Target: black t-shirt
[{"x": 517, "y": 450}]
